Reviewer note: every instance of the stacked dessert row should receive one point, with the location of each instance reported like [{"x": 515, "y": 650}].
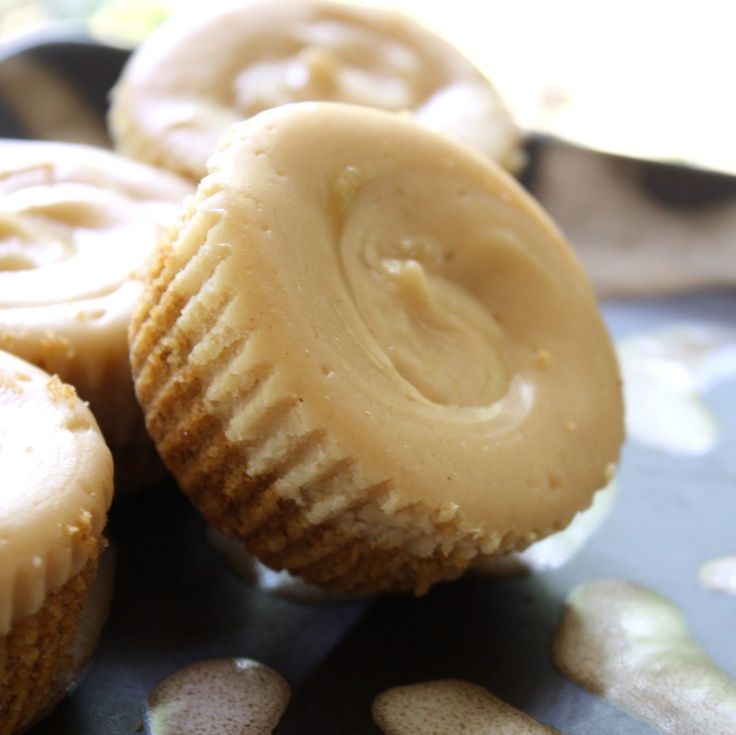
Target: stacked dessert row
[{"x": 359, "y": 346}]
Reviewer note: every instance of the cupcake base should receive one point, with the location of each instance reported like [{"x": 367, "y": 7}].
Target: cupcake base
[
  {"x": 36, "y": 655},
  {"x": 371, "y": 418}
]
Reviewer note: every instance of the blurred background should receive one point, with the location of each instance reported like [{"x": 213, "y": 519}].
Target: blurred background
[{"x": 648, "y": 79}]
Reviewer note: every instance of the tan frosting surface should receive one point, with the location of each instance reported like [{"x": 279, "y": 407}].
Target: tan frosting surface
[
  {"x": 56, "y": 486},
  {"x": 420, "y": 308},
  {"x": 557, "y": 549},
  {"x": 199, "y": 74},
  {"x": 76, "y": 224}
]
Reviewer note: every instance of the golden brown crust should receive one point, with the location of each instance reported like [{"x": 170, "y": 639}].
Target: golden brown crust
[
  {"x": 211, "y": 471},
  {"x": 35, "y": 658}
]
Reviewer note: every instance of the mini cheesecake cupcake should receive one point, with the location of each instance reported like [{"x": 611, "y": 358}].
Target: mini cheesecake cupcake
[
  {"x": 56, "y": 489},
  {"x": 370, "y": 356},
  {"x": 77, "y": 225},
  {"x": 202, "y": 72}
]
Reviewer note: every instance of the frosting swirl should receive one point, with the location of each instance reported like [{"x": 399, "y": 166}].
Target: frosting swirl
[{"x": 77, "y": 224}]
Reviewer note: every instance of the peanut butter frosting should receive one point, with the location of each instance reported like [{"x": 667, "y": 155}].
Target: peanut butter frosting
[
  {"x": 77, "y": 224},
  {"x": 56, "y": 487},
  {"x": 390, "y": 330},
  {"x": 198, "y": 74}
]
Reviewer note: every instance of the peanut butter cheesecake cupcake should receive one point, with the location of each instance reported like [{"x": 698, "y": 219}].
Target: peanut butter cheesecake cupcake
[
  {"x": 368, "y": 354},
  {"x": 56, "y": 489},
  {"x": 77, "y": 225},
  {"x": 200, "y": 73}
]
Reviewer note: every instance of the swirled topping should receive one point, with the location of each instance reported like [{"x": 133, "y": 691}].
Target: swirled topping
[
  {"x": 76, "y": 226},
  {"x": 397, "y": 251},
  {"x": 56, "y": 486},
  {"x": 70, "y": 227},
  {"x": 197, "y": 75},
  {"x": 62, "y": 242},
  {"x": 418, "y": 308}
]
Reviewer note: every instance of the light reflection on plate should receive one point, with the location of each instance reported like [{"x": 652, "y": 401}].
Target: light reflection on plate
[{"x": 666, "y": 373}]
